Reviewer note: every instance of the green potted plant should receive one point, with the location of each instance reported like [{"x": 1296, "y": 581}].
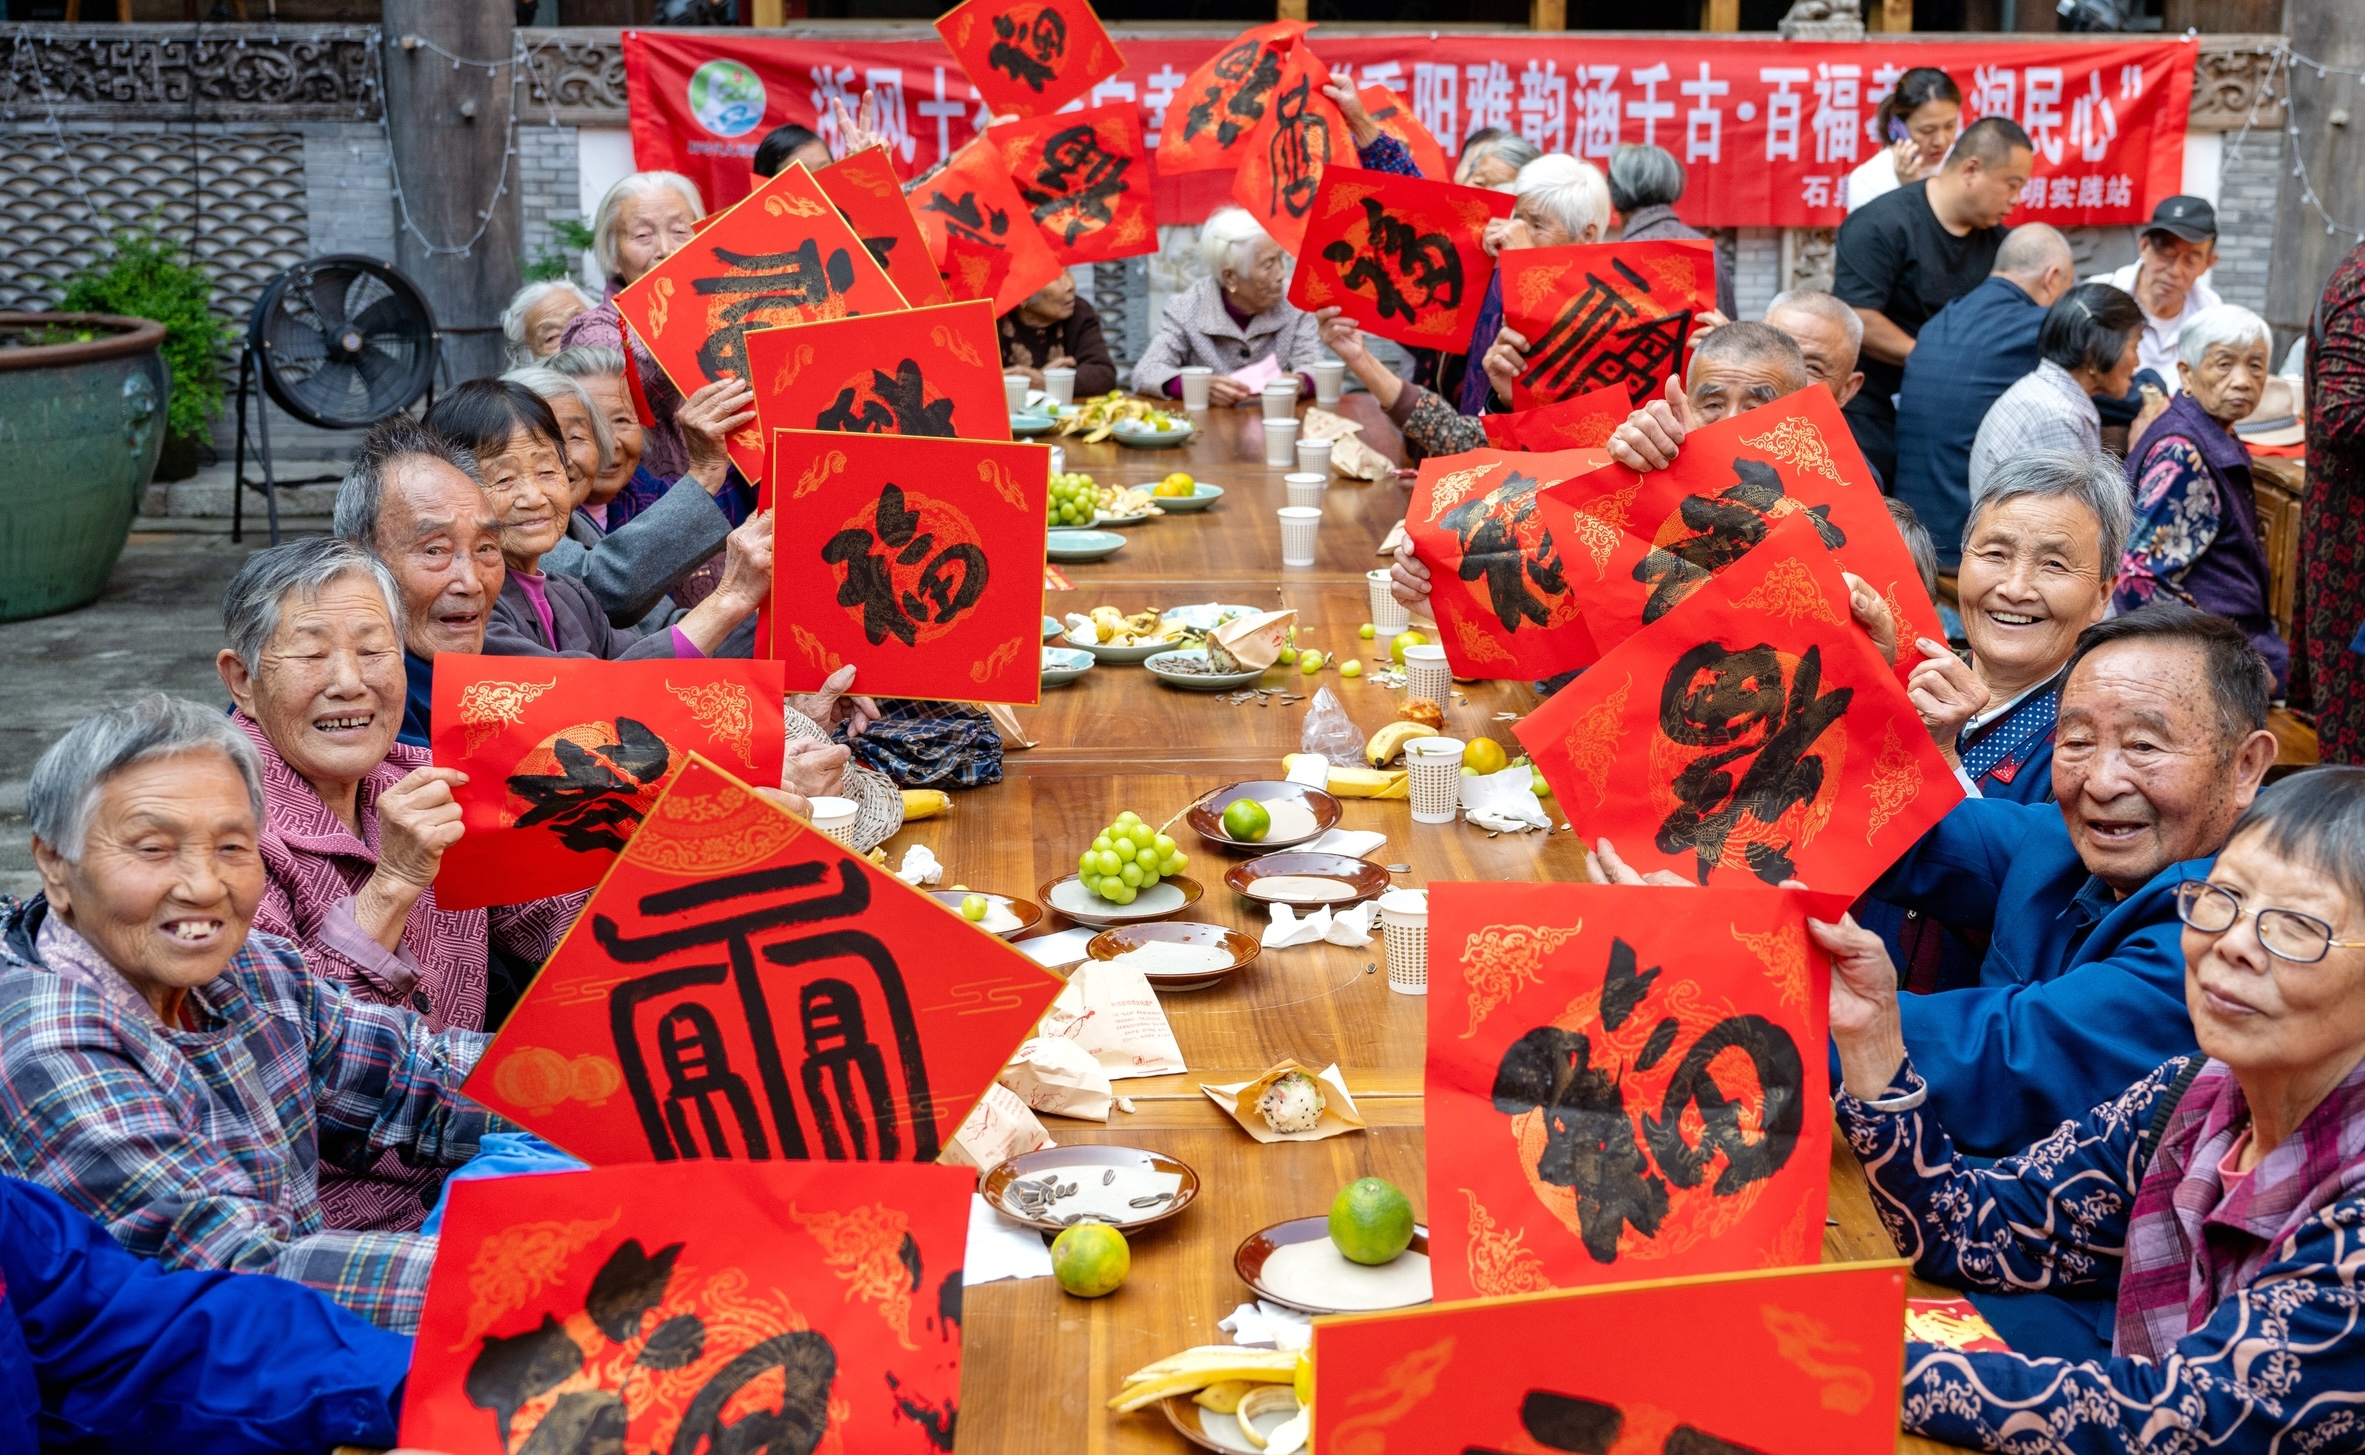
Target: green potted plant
[{"x": 148, "y": 276}]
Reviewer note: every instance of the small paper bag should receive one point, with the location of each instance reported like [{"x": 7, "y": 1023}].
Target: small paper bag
[
  {"x": 1054, "y": 1074},
  {"x": 1256, "y": 640},
  {"x": 1111, "y": 1011},
  {"x": 1338, "y": 1108},
  {"x": 1350, "y": 457},
  {"x": 998, "y": 1127}
]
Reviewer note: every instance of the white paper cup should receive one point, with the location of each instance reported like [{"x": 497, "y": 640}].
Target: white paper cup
[
  {"x": 1298, "y": 524},
  {"x": 835, "y": 817},
  {"x": 1404, "y": 925},
  {"x": 1195, "y": 379},
  {"x": 1059, "y": 460},
  {"x": 1388, "y": 616},
  {"x": 1425, "y": 673},
  {"x": 1313, "y": 456},
  {"x": 1060, "y": 384},
  {"x": 1015, "y": 386},
  {"x": 1280, "y": 398},
  {"x": 1434, "y": 766},
  {"x": 1305, "y": 488},
  {"x": 1281, "y": 443},
  {"x": 1329, "y": 374}
]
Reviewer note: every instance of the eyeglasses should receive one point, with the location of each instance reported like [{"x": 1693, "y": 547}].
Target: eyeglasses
[{"x": 2214, "y": 909}]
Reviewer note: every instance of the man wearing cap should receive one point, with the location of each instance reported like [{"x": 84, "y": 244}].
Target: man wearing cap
[{"x": 2178, "y": 245}]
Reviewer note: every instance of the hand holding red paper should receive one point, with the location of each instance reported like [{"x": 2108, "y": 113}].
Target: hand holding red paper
[
  {"x": 1399, "y": 255},
  {"x": 1607, "y": 315}
]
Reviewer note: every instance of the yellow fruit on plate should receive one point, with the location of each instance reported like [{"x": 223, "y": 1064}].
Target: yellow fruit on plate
[
  {"x": 1485, "y": 755},
  {"x": 1223, "y": 1397}
]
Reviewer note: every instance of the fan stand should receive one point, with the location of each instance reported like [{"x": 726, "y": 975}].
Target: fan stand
[{"x": 269, "y": 484}]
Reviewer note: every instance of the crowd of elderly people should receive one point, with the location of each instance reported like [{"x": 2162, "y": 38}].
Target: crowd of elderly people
[{"x": 2098, "y": 1038}]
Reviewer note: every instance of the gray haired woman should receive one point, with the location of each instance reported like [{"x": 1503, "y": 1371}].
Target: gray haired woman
[
  {"x": 642, "y": 220},
  {"x": 1645, "y": 184},
  {"x": 1234, "y": 317},
  {"x": 179, "y": 1079},
  {"x": 537, "y": 317}
]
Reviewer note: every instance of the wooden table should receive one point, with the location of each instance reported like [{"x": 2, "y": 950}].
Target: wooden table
[{"x": 1040, "y": 1366}]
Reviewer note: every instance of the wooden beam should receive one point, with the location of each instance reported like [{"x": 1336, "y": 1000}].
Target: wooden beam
[
  {"x": 769, "y": 14},
  {"x": 1289, "y": 9},
  {"x": 1547, "y": 14},
  {"x": 1720, "y": 14},
  {"x": 1890, "y": 15}
]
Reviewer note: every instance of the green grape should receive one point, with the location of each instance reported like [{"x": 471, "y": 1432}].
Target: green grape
[
  {"x": 1108, "y": 862},
  {"x": 1131, "y": 874},
  {"x": 1101, "y": 844},
  {"x": 1087, "y": 861},
  {"x": 1173, "y": 863},
  {"x": 1125, "y": 893},
  {"x": 1110, "y": 885},
  {"x": 1163, "y": 844},
  {"x": 1129, "y": 818},
  {"x": 1149, "y": 880}
]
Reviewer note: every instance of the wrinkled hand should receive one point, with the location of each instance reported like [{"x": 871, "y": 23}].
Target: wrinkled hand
[
  {"x": 814, "y": 769},
  {"x": 1359, "y": 122},
  {"x": 795, "y": 803},
  {"x": 2155, "y": 404},
  {"x": 831, "y": 706},
  {"x": 1408, "y": 579},
  {"x": 1034, "y": 376},
  {"x": 418, "y": 818},
  {"x": 1506, "y": 360},
  {"x": 1906, "y": 159},
  {"x": 1704, "y": 323},
  {"x": 1223, "y": 391},
  {"x": 1603, "y": 866},
  {"x": 858, "y": 130},
  {"x": 1947, "y": 693},
  {"x": 708, "y": 419},
  {"x": 1340, "y": 334},
  {"x": 1652, "y": 435},
  {"x": 747, "y": 564},
  {"x": 1864, "y": 1020},
  {"x": 1503, "y": 233},
  {"x": 1872, "y": 613}
]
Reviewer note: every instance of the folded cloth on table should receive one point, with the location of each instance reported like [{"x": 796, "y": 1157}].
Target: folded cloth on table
[
  {"x": 1000, "y": 1248},
  {"x": 1354, "y": 843},
  {"x": 1350, "y": 927},
  {"x": 930, "y": 745}
]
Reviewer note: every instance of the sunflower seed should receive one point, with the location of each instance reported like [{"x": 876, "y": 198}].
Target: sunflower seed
[
  {"x": 1108, "y": 1177},
  {"x": 1152, "y": 1200}
]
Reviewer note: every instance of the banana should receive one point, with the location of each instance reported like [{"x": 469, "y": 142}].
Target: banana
[
  {"x": 1222, "y": 1398},
  {"x": 1390, "y": 740},
  {"x": 920, "y": 803},
  {"x": 1200, "y": 1367},
  {"x": 1355, "y": 782}
]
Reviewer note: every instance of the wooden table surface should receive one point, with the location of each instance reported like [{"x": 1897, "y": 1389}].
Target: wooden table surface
[{"x": 1038, "y": 1366}]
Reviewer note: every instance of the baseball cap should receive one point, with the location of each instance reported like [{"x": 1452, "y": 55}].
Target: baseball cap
[{"x": 2190, "y": 218}]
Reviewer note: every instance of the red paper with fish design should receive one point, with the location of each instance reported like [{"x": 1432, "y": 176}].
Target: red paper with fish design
[
  {"x": 1085, "y": 179},
  {"x": 1029, "y": 57},
  {"x": 920, "y": 559},
  {"x": 1641, "y": 541},
  {"x": 782, "y": 256},
  {"x": 1604, "y": 315},
  {"x": 980, "y": 232},
  {"x": 1399, "y": 255},
  {"x": 1623, "y": 1082},
  {"x": 869, "y": 196},
  {"x": 928, "y": 371},
  {"x": 1498, "y": 576},
  {"x": 701, "y": 1305},
  {"x": 1751, "y": 735},
  {"x": 743, "y": 988},
  {"x": 1584, "y": 422},
  {"x": 564, "y": 757},
  {"x": 1793, "y": 1359}
]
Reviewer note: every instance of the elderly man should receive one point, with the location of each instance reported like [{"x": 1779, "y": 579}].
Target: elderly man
[
  {"x": 1963, "y": 360},
  {"x": 1829, "y": 336},
  {"x": 2177, "y": 247}
]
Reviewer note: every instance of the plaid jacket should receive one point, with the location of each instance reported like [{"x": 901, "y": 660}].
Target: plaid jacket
[{"x": 203, "y": 1148}]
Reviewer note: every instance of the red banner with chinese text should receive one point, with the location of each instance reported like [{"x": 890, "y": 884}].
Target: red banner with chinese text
[{"x": 1768, "y": 129}]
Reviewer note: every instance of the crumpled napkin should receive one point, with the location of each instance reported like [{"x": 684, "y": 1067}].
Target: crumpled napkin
[
  {"x": 1503, "y": 801},
  {"x": 1265, "y": 1325},
  {"x": 1354, "y": 843},
  {"x": 1350, "y": 926},
  {"x": 920, "y": 867},
  {"x": 1001, "y": 1248}
]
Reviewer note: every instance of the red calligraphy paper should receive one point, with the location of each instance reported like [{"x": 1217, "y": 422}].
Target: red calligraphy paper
[
  {"x": 1498, "y": 576},
  {"x": 1392, "y": 114},
  {"x": 1604, "y": 315},
  {"x": 1651, "y": 537},
  {"x": 920, "y": 559},
  {"x": 782, "y": 256},
  {"x": 1225, "y": 99},
  {"x": 1753, "y": 734},
  {"x": 1399, "y": 255},
  {"x": 868, "y": 195},
  {"x": 1084, "y": 177},
  {"x": 706, "y": 1305},
  {"x": 1623, "y": 1082},
  {"x": 1584, "y": 422},
  {"x": 1793, "y": 1359},
  {"x": 977, "y": 230},
  {"x": 1029, "y": 57},
  {"x": 742, "y": 988},
  {"x": 1283, "y": 161},
  {"x": 564, "y": 757},
  {"x": 929, "y": 371}
]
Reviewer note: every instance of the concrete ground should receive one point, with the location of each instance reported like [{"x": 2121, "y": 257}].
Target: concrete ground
[{"x": 155, "y": 628}]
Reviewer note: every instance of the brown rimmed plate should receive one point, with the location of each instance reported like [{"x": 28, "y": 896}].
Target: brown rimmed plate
[
  {"x": 1206, "y": 817},
  {"x": 995, "y": 1185},
  {"x": 1367, "y": 879},
  {"x": 1198, "y": 1424},
  {"x": 1030, "y": 914},
  {"x": 1248, "y": 1260},
  {"x": 1109, "y": 944},
  {"x": 1068, "y": 897}
]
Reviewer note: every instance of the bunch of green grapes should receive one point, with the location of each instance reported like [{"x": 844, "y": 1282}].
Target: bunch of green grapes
[
  {"x": 1075, "y": 500},
  {"x": 1128, "y": 857}
]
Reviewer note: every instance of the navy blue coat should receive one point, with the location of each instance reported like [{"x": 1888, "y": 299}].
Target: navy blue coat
[
  {"x": 2080, "y": 995},
  {"x": 102, "y": 1351},
  {"x": 1963, "y": 360}
]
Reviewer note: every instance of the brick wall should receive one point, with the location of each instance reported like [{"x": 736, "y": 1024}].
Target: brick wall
[
  {"x": 2246, "y": 183},
  {"x": 548, "y": 187}
]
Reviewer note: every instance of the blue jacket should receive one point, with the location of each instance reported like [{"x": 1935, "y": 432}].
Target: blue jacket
[
  {"x": 1963, "y": 360},
  {"x": 102, "y": 1351},
  {"x": 2080, "y": 994}
]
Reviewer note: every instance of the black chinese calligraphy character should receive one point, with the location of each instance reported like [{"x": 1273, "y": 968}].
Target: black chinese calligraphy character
[
  {"x": 589, "y": 803},
  {"x": 949, "y": 583},
  {"x": 1724, "y": 527},
  {"x": 1580, "y": 326},
  {"x": 1245, "y": 72},
  {"x": 1404, "y": 269},
  {"x": 767, "y": 288},
  {"x": 1298, "y": 150},
  {"x": 1077, "y": 181},
  {"x": 1773, "y": 1057},
  {"x": 698, "y": 1073},
  {"x": 1592, "y": 1427},
  {"x": 1492, "y": 528},
  {"x": 937, "y": 1422},
  {"x": 898, "y": 405},
  {"x": 1639, "y": 357},
  {"x": 968, "y": 218},
  {"x": 1758, "y": 730},
  {"x": 879, "y": 248},
  {"x": 1024, "y": 51}
]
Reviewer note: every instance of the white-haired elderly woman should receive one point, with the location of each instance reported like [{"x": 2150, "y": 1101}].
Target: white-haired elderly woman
[
  {"x": 181, "y": 1079},
  {"x": 537, "y": 317},
  {"x": 2196, "y": 535},
  {"x": 1234, "y": 317},
  {"x": 355, "y": 824},
  {"x": 2221, "y": 1199},
  {"x": 1559, "y": 200}
]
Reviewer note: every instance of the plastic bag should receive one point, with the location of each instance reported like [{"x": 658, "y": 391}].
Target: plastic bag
[{"x": 1328, "y": 731}]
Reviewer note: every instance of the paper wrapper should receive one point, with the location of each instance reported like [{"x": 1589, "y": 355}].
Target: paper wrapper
[
  {"x": 1112, "y": 1013},
  {"x": 1350, "y": 457},
  {"x": 999, "y": 1127},
  {"x": 1338, "y": 1108},
  {"x": 1256, "y": 640},
  {"x": 1054, "y": 1074}
]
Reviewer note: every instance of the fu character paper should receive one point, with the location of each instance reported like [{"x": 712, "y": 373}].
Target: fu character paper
[
  {"x": 1604, "y": 315},
  {"x": 980, "y": 232},
  {"x": 1392, "y": 114},
  {"x": 1399, "y": 255},
  {"x": 1282, "y": 164},
  {"x": 1029, "y": 57},
  {"x": 1226, "y": 99},
  {"x": 1584, "y": 422},
  {"x": 1084, "y": 177},
  {"x": 927, "y": 371},
  {"x": 1499, "y": 575},
  {"x": 869, "y": 195}
]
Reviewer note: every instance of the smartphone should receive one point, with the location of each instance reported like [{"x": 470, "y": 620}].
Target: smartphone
[{"x": 1897, "y": 131}]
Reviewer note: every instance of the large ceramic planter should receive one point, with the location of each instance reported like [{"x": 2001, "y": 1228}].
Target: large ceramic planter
[{"x": 80, "y": 424}]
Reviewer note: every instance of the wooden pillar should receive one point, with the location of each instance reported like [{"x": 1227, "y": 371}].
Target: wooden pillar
[
  {"x": 769, "y": 14},
  {"x": 2327, "y": 113},
  {"x": 1720, "y": 14},
  {"x": 1888, "y": 16},
  {"x": 450, "y": 130},
  {"x": 1289, "y": 9},
  {"x": 1547, "y": 14}
]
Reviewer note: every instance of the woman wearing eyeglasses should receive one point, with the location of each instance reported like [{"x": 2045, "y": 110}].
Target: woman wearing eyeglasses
[{"x": 2223, "y": 1194}]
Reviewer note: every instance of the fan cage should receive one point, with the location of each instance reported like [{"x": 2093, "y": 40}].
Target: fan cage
[{"x": 343, "y": 341}]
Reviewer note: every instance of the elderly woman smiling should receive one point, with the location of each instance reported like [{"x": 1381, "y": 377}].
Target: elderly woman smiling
[
  {"x": 2223, "y": 1193},
  {"x": 181, "y": 1081}
]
